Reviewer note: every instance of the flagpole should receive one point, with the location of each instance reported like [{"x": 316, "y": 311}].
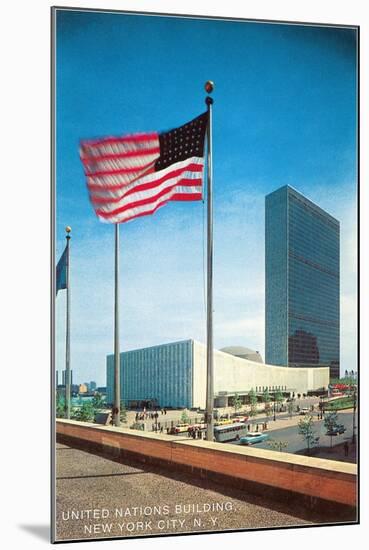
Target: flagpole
[
  {"x": 116, "y": 408},
  {"x": 67, "y": 331},
  {"x": 209, "y": 86}
]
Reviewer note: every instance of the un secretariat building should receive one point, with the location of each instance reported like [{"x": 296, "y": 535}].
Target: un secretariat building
[
  {"x": 174, "y": 375},
  {"x": 302, "y": 295}
]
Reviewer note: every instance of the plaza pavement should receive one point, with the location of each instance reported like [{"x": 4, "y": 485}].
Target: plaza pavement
[
  {"x": 175, "y": 416},
  {"x": 86, "y": 482}
]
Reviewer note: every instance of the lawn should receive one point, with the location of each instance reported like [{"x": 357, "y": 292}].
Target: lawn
[{"x": 339, "y": 404}]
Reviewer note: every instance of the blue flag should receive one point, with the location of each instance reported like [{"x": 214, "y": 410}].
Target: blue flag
[{"x": 61, "y": 271}]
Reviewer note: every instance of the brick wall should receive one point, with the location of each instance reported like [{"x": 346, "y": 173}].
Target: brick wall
[{"x": 313, "y": 477}]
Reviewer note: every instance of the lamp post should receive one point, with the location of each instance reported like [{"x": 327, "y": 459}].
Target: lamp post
[
  {"x": 321, "y": 406},
  {"x": 274, "y": 407}
]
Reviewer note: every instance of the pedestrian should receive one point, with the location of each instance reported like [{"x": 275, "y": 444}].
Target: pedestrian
[
  {"x": 346, "y": 447},
  {"x": 165, "y": 411}
]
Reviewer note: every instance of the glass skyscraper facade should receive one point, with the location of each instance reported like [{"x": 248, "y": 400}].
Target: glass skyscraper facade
[
  {"x": 160, "y": 374},
  {"x": 302, "y": 259}
]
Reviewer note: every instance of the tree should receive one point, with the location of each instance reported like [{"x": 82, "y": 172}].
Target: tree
[
  {"x": 98, "y": 401},
  {"x": 278, "y": 397},
  {"x": 331, "y": 422},
  {"x": 123, "y": 412},
  {"x": 86, "y": 413},
  {"x": 267, "y": 409},
  {"x": 237, "y": 403},
  {"x": 277, "y": 445},
  {"x": 253, "y": 401},
  {"x": 60, "y": 406},
  {"x": 306, "y": 429},
  {"x": 266, "y": 401},
  {"x": 185, "y": 419}
]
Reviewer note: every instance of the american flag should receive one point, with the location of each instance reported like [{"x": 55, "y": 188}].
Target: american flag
[{"x": 134, "y": 175}]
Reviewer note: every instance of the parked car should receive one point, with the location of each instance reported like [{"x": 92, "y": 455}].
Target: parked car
[
  {"x": 240, "y": 419},
  {"x": 340, "y": 429},
  {"x": 179, "y": 429},
  {"x": 253, "y": 437},
  {"x": 304, "y": 410},
  {"x": 222, "y": 422}
]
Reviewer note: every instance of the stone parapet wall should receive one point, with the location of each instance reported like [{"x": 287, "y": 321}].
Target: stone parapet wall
[{"x": 326, "y": 480}]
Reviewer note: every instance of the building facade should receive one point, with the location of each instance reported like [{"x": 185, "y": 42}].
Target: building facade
[
  {"x": 302, "y": 278},
  {"x": 64, "y": 377},
  {"x": 174, "y": 375}
]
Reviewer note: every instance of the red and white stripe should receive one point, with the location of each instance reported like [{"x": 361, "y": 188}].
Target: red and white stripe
[{"x": 122, "y": 181}]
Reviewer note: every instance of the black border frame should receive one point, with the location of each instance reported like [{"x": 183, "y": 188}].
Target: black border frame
[{"x": 53, "y": 52}]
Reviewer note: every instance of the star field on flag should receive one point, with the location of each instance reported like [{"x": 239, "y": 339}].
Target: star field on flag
[{"x": 134, "y": 175}]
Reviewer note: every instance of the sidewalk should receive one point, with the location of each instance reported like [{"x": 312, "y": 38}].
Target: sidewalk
[{"x": 337, "y": 452}]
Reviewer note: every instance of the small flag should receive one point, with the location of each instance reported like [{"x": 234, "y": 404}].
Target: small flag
[
  {"x": 134, "y": 175},
  {"x": 61, "y": 271}
]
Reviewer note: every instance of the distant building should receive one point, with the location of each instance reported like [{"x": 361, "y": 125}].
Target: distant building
[
  {"x": 64, "y": 377},
  {"x": 174, "y": 375},
  {"x": 60, "y": 390},
  {"x": 92, "y": 385},
  {"x": 302, "y": 294},
  {"x": 82, "y": 388},
  {"x": 101, "y": 389}
]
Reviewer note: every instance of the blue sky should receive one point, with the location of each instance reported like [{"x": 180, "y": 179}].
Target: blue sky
[{"x": 284, "y": 113}]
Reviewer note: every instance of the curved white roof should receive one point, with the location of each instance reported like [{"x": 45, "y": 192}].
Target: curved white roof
[{"x": 245, "y": 353}]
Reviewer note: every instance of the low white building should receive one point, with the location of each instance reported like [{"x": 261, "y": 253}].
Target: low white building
[{"x": 174, "y": 375}]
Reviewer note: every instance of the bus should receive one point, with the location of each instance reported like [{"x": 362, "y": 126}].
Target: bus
[{"x": 229, "y": 432}]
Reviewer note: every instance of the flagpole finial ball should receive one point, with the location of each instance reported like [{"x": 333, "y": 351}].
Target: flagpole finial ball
[
  {"x": 209, "y": 86},
  {"x": 68, "y": 229}
]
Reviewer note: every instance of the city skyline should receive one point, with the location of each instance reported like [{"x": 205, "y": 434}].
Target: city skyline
[{"x": 272, "y": 83}]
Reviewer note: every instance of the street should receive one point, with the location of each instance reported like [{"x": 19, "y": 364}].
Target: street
[
  {"x": 296, "y": 442},
  {"x": 283, "y": 429}
]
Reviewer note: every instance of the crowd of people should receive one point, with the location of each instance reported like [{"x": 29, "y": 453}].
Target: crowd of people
[
  {"x": 152, "y": 415},
  {"x": 195, "y": 432}
]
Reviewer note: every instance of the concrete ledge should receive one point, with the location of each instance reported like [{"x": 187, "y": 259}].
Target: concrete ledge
[{"x": 282, "y": 473}]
